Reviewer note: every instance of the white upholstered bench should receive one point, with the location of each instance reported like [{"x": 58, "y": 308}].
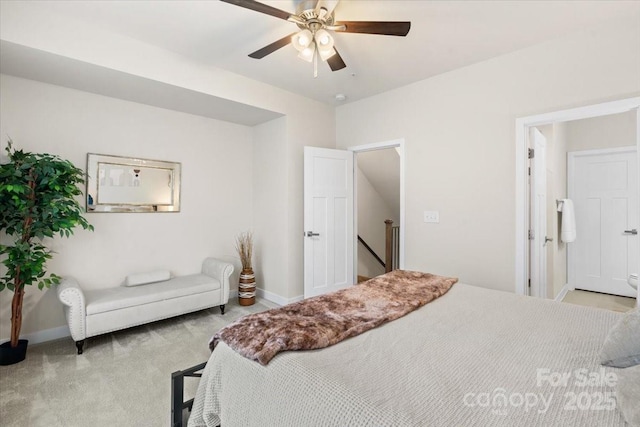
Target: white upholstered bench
[{"x": 94, "y": 312}]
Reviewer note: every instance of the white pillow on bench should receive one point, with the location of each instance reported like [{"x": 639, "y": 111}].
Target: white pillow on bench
[{"x": 145, "y": 278}]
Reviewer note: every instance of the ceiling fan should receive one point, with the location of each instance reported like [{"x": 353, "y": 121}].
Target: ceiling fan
[{"x": 315, "y": 23}]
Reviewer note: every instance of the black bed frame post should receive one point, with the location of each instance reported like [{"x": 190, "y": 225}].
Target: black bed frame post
[
  {"x": 177, "y": 397},
  {"x": 177, "y": 393}
]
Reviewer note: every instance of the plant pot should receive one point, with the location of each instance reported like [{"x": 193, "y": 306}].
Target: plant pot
[
  {"x": 247, "y": 287},
  {"x": 10, "y": 355}
]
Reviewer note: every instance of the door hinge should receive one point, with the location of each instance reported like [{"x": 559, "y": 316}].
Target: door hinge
[
  {"x": 529, "y": 282},
  {"x": 531, "y": 235},
  {"x": 529, "y": 171},
  {"x": 531, "y": 153}
]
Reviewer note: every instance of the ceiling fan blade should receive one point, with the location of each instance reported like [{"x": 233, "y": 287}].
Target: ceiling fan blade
[
  {"x": 335, "y": 61},
  {"x": 261, "y": 53},
  {"x": 260, "y": 7},
  {"x": 375, "y": 27}
]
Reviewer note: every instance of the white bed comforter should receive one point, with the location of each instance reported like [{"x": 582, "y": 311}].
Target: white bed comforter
[{"x": 472, "y": 357}]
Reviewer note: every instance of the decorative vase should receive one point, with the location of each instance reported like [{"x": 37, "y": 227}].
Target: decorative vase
[
  {"x": 10, "y": 355},
  {"x": 247, "y": 287}
]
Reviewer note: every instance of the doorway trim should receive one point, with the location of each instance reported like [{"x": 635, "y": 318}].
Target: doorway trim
[
  {"x": 521, "y": 163},
  {"x": 395, "y": 143}
]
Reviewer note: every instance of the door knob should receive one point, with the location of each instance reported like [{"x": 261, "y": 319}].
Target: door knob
[
  {"x": 547, "y": 240},
  {"x": 632, "y": 231},
  {"x": 311, "y": 234}
]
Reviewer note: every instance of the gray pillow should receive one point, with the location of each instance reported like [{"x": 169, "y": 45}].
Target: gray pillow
[
  {"x": 621, "y": 348},
  {"x": 628, "y": 394}
]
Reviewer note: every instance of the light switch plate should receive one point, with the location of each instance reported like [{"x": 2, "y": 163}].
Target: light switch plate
[{"x": 432, "y": 216}]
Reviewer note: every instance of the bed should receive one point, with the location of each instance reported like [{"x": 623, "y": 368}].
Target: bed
[{"x": 471, "y": 357}]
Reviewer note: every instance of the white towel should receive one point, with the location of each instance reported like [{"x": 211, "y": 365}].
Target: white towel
[{"x": 568, "y": 224}]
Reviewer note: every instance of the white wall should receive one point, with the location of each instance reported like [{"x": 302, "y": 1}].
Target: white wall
[
  {"x": 216, "y": 192},
  {"x": 615, "y": 130},
  {"x": 278, "y": 188},
  {"x": 270, "y": 205},
  {"x": 459, "y": 131},
  {"x": 308, "y": 122},
  {"x": 382, "y": 169}
]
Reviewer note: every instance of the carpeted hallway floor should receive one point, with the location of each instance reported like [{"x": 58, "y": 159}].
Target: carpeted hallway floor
[
  {"x": 122, "y": 379},
  {"x": 595, "y": 299}
]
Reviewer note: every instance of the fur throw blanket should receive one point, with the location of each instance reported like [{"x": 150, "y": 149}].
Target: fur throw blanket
[{"x": 327, "y": 319}]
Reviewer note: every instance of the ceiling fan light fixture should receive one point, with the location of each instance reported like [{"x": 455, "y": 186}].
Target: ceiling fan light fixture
[
  {"x": 308, "y": 53},
  {"x": 324, "y": 44},
  {"x": 314, "y": 19},
  {"x": 326, "y": 53},
  {"x": 302, "y": 40},
  {"x": 324, "y": 39}
]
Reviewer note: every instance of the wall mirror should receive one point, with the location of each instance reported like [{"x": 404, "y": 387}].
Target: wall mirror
[{"x": 123, "y": 184}]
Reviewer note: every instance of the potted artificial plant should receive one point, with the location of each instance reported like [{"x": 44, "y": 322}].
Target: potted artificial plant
[{"x": 37, "y": 200}]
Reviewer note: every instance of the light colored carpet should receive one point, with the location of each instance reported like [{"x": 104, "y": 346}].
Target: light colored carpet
[
  {"x": 598, "y": 300},
  {"x": 122, "y": 379}
]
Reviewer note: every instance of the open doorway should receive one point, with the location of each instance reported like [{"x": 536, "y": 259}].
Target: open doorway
[
  {"x": 330, "y": 216},
  {"x": 379, "y": 208},
  {"x": 589, "y": 158}
]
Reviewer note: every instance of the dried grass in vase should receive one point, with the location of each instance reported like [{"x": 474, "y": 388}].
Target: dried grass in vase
[{"x": 244, "y": 246}]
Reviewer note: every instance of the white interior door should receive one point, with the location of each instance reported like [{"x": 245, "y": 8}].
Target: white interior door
[
  {"x": 604, "y": 187},
  {"x": 537, "y": 241},
  {"x": 328, "y": 220}
]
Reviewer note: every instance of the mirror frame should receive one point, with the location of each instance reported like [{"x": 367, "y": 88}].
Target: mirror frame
[{"x": 92, "y": 187}]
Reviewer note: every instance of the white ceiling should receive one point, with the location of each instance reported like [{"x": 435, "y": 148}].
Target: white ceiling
[{"x": 445, "y": 35}]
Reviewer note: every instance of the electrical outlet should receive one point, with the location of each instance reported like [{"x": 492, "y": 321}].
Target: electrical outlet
[{"x": 432, "y": 216}]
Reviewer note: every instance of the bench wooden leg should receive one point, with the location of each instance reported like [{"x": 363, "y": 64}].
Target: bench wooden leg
[
  {"x": 222, "y": 308},
  {"x": 79, "y": 345}
]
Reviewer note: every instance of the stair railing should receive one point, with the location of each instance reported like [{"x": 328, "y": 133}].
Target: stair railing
[
  {"x": 392, "y": 246},
  {"x": 371, "y": 251}
]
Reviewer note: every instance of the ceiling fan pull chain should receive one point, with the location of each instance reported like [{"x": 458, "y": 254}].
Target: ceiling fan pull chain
[{"x": 315, "y": 63}]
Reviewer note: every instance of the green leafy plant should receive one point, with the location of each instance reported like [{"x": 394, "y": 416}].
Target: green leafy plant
[{"x": 37, "y": 200}]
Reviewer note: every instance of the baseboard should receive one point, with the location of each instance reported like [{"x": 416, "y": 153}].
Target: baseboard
[
  {"x": 275, "y": 298},
  {"x": 563, "y": 292},
  {"x": 44, "y": 336}
]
